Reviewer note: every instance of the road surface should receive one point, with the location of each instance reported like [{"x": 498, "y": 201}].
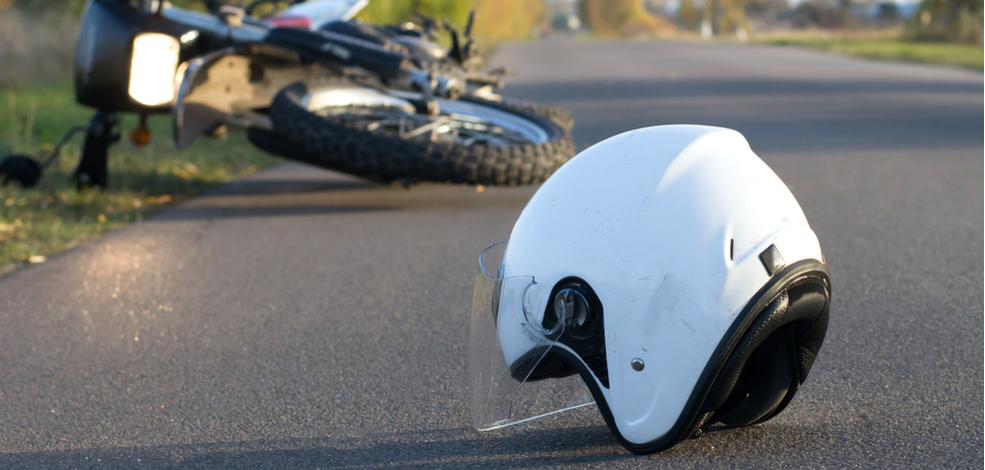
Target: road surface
[{"x": 301, "y": 319}]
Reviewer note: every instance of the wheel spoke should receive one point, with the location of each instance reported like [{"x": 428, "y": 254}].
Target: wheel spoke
[{"x": 455, "y": 127}]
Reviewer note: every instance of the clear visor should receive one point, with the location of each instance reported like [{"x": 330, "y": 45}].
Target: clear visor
[{"x": 514, "y": 363}]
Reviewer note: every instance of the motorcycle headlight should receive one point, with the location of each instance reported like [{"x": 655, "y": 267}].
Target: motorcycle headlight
[{"x": 152, "y": 68}]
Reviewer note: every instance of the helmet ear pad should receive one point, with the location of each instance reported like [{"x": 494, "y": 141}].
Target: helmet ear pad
[{"x": 772, "y": 359}]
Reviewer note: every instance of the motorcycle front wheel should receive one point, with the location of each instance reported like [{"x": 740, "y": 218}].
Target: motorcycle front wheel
[{"x": 382, "y": 135}]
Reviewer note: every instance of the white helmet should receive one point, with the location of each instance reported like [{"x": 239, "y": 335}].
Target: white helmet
[{"x": 670, "y": 271}]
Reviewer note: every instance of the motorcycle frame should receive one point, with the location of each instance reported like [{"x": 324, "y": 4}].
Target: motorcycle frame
[{"x": 104, "y": 53}]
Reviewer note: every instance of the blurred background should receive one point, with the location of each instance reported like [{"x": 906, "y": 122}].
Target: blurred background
[
  {"x": 37, "y": 36},
  {"x": 37, "y": 102}
]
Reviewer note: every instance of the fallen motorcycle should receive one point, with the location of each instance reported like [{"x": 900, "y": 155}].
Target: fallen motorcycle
[{"x": 309, "y": 84}]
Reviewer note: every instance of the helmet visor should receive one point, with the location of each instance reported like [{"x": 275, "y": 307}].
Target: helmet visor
[{"x": 514, "y": 367}]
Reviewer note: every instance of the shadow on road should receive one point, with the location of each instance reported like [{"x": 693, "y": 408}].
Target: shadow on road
[
  {"x": 463, "y": 448},
  {"x": 453, "y": 448},
  {"x": 285, "y": 186},
  {"x": 294, "y": 189},
  {"x": 243, "y": 212}
]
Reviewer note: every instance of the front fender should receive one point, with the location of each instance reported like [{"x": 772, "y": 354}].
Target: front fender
[{"x": 232, "y": 85}]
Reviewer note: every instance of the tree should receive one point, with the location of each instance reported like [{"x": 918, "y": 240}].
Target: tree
[
  {"x": 724, "y": 16},
  {"x": 766, "y": 8},
  {"x": 732, "y": 16},
  {"x": 501, "y": 19},
  {"x": 947, "y": 20},
  {"x": 688, "y": 15},
  {"x": 619, "y": 17}
]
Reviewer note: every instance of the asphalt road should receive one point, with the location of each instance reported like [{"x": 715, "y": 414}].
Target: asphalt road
[{"x": 301, "y": 319}]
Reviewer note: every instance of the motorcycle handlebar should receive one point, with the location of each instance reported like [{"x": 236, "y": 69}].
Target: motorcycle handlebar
[
  {"x": 214, "y": 25},
  {"x": 346, "y": 50}
]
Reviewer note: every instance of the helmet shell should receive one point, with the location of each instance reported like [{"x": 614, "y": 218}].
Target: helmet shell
[{"x": 666, "y": 224}]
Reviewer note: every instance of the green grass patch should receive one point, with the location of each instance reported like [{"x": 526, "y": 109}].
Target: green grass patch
[
  {"x": 54, "y": 216},
  {"x": 962, "y": 55}
]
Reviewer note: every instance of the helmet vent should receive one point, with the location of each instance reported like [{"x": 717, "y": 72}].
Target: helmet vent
[{"x": 772, "y": 260}]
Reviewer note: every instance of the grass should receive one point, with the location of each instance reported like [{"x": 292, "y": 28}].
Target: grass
[
  {"x": 54, "y": 216},
  {"x": 886, "y": 47}
]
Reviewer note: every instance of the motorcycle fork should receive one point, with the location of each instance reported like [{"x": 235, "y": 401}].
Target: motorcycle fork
[{"x": 102, "y": 133}]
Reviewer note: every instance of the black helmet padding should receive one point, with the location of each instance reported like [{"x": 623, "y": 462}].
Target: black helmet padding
[{"x": 773, "y": 358}]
